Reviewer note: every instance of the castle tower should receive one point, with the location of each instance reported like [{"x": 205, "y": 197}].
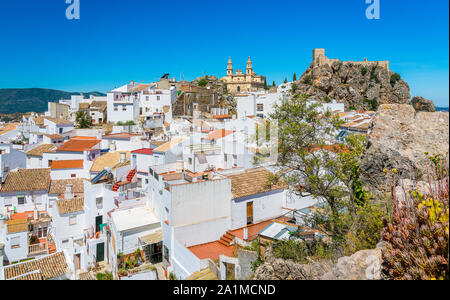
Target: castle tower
[
  {"x": 230, "y": 67},
  {"x": 318, "y": 52},
  {"x": 249, "y": 66}
]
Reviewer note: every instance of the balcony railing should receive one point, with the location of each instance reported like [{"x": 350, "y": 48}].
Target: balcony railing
[{"x": 37, "y": 249}]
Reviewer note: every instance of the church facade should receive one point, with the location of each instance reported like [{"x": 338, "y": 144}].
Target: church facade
[{"x": 243, "y": 82}]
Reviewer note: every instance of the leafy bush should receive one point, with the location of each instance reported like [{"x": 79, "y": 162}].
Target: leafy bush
[
  {"x": 299, "y": 252},
  {"x": 105, "y": 276},
  {"x": 307, "y": 80},
  {"x": 363, "y": 71},
  {"x": 417, "y": 234},
  {"x": 394, "y": 78},
  {"x": 203, "y": 82}
]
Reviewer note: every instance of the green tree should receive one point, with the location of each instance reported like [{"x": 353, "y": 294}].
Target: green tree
[
  {"x": 203, "y": 82},
  {"x": 295, "y": 77},
  {"x": 285, "y": 80},
  {"x": 311, "y": 166},
  {"x": 265, "y": 84},
  {"x": 273, "y": 84},
  {"x": 83, "y": 119}
]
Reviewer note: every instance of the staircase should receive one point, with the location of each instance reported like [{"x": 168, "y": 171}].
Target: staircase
[
  {"x": 116, "y": 186},
  {"x": 226, "y": 239},
  {"x": 131, "y": 175}
]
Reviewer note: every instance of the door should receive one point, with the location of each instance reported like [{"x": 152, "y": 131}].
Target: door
[
  {"x": 100, "y": 252},
  {"x": 77, "y": 261},
  {"x": 98, "y": 222},
  {"x": 249, "y": 213}
]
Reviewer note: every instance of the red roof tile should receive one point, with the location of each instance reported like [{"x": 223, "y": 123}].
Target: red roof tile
[
  {"x": 67, "y": 164},
  {"x": 77, "y": 145},
  {"x": 211, "y": 250},
  {"x": 218, "y": 134},
  {"x": 143, "y": 151}
]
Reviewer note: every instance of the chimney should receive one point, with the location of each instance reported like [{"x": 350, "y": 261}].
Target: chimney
[
  {"x": 123, "y": 157},
  {"x": 69, "y": 192}
]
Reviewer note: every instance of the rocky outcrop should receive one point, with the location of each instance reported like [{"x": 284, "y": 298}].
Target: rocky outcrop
[
  {"x": 357, "y": 86},
  {"x": 281, "y": 269},
  {"x": 363, "y": 265},
  {"x": 422, "y": 104},
  {"x": 399, "y": 139}
]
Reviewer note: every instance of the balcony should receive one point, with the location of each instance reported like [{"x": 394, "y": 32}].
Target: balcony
[{"x": 37, "y": 249}]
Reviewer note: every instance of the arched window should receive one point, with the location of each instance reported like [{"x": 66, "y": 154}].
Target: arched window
[{"x": 238, "y": 88}]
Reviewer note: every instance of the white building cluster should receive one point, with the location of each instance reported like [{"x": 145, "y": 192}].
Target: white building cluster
[{"x": 156, "y": 197}]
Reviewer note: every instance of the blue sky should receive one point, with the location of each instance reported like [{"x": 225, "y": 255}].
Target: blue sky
[{"x": 116, "y": 41}]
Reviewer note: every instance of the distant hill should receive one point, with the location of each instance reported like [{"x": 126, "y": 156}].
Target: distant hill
[
  {"x": 34, "y": 99},
  {"x": 441, "y": 108}
]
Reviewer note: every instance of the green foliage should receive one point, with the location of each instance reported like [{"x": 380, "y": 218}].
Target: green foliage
[
  {"x": 105, "y": 276},
  {"x": 285, "y": 80},
  {"x": 363, "y": 71},
  {"x": 265, "y": 84},
  {"x": 130, "y": 123},
  {"x": 301, "y": 251},
  {"x": 203, "y": 82},
  {"x": 307, "y": 79},
  {"x": 417, "y": 234},
  {"x": 83, "y": 119},
  {"x": 294, "y": 77},
  {"x": 172, "y": 276},
  {"x": 373, "y": 103},
  {"x": 394, "y": 78},
  {"x": 373, "y": 75},
  {"x": 327, "y": 99},
  {"x": 273, "y": 84}
]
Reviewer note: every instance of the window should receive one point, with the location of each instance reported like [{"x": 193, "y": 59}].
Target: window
[
  {"x": 72, "y": 220},
  {"x": 73, "y": 175},
  {"x": 124, "y": 108},
  {"x": 190, "y": 160},
  {"x": 99, "y": 201},
  {"x": 260, "y": 107},
  {"x": 60, "y": 130},
  {"x": 225, "y": 158},
  {"x": 15, "y": 242},
  {"x": 116, "y": 108},
  {"x": 158, "y": 98},
  {"x": 21, "y": 200}
]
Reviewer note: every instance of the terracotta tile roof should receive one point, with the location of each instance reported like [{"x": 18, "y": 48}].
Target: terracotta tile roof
[
  {"x": 8, "y": 128},
  {"x": 44, "y": 148},
  {"x": 140, "y": 87},
  {"x": 27, "y": 180},
  {"x": 51, "y": 266},
  {"x": 77, "y": 145},
  {"x": 331, "y": 148},
  {"x": 84, "y": 138},
  {"x": 15, "y": 226},
  {"x": 58, "y": 187},
  {"x": 99, "y": 105},
  {"x": 223, "y": 116},
  {"x": 30, "y": 276},
  {"x": 169, "y": 145},
  {"x": 83, "y": 106},
  {"x": 143, "y": 151},
  {"x": 59, "y": 121},
  {"x": 123, "y": 135},
  {"x": 218, "y": 134},
  {"x": 54, "y": 136},
  {"x": 39, "y": 121},
  {"x": 109, "y": 160},
  {"x": 157, "y": 143},
  {"x": 70, "y": 206},
  {"x": 253, "y": 182},
  {"x": 67, "y": 164}
]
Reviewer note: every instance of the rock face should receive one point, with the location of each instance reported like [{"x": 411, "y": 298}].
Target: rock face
[
  {"x": 399, "y": 139},
  {"x": 422, "y": 104},
  {"x": 280, "y": 269},
  {"x": 363, "y": 265},
  {"x": 357, "y": 86}
]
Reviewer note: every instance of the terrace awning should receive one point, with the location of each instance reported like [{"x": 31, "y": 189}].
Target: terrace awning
[{"x": 152, "y": 238}]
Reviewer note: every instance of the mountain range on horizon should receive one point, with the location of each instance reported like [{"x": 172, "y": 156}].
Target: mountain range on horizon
[{"x": 23, "y": 100}]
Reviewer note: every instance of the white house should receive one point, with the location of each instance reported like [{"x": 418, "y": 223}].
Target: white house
[{"x": 10, "y": 159}]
